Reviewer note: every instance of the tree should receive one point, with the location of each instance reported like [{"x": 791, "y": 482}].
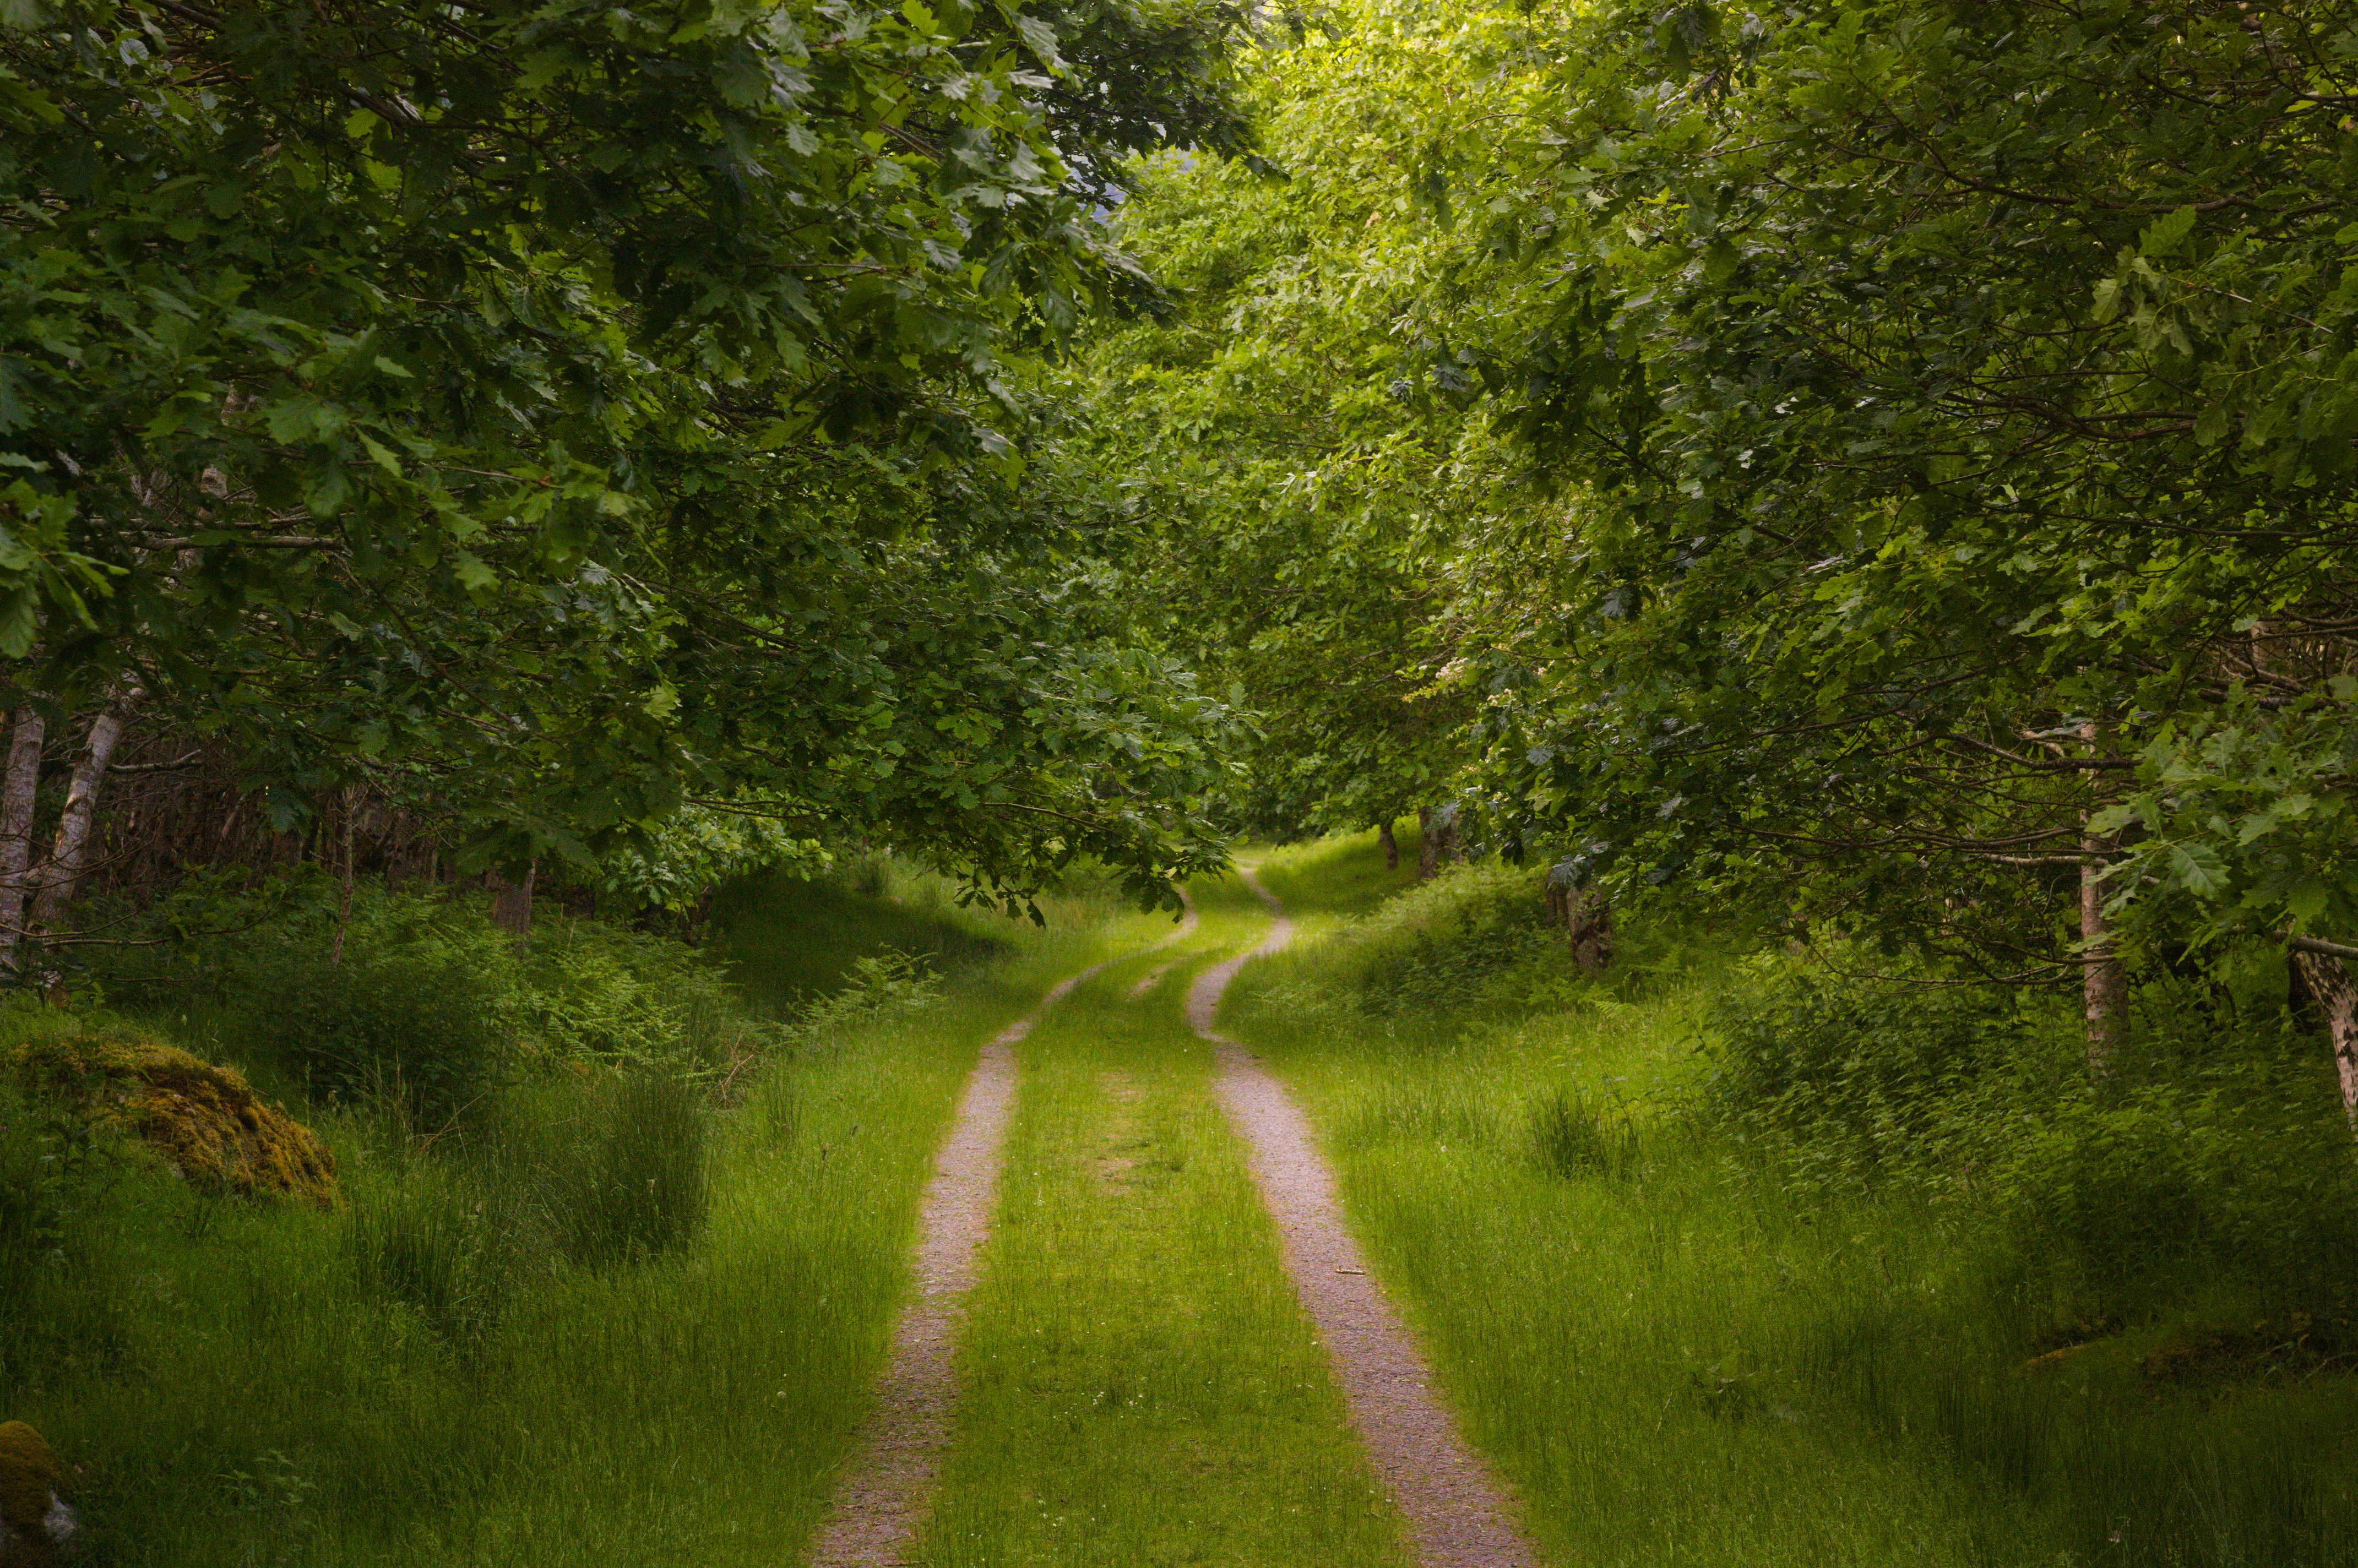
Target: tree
[
  {"x": 1302, "y": 495},
  {"x": 597, "y": 407},
  {"x": 1957, "y": 400}
]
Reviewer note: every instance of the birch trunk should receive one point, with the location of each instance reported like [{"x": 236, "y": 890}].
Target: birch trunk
[
  {"x": 2327, "y": 980},
  {"x": 69, "y": 851},
  {"x": 2103, "y": 982},
  {"x": 17, "y": 794}
]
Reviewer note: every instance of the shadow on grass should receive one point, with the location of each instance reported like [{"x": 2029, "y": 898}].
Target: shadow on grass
[{"x": 788, "y": 940}]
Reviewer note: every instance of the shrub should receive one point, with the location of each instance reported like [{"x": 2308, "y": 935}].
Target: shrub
[
  {"x": 1868, "y": 1070},
  {"x": 62, "y": 1300},
  {"x": 2212, "y": 1157},
  {"x": 622, "y": 1000},
  {"x": 640, "y": 1184},
  {"x": 1458, "y": 944},
  {"x": 425, "y": 1033}
]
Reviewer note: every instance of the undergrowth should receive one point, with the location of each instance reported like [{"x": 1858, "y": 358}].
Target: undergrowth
[
  {"x": 611, "y": 1210},
  {"x": 1739, "y": 1258}
]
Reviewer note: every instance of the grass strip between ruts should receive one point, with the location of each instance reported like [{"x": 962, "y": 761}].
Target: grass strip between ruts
[{"x": 1139, "y": 1384}]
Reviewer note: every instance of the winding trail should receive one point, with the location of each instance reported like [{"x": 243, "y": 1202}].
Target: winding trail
[
  {"x": 1458, "y": 1516},
  {"x": 882, "y": 1499}
]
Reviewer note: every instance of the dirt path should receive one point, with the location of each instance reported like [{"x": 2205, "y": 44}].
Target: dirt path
[
  {"x": 888, "y": 1482},
  {"x": 1458, "y": 1516}
]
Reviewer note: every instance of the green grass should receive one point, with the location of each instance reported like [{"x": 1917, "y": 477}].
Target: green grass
[
  {"x": 441, "y": 1373},
  {"x": 1141, "y": 1386},
  {"x": 1676, "y": 1361}
]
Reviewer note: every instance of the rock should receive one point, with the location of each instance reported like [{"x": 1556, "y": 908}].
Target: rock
[
  {"x": 204, "y": 1121},
  {"x": 37, "y": 1524}
]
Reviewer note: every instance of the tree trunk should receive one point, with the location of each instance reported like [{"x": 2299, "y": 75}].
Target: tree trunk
[
  {"x": 1428, "y": 845},
  {"x": 17, "y": 792},
  {"x": 1588, "y": 921},
  {"x": 511, "y": 904},
  {"x": 69, "y": 851},
  {"x": 1588, "y": 924},
  {"x": 1391, "y": 844},
  {"x": 2103, "y": 983},
  {"x": 2327, "y": 980}
]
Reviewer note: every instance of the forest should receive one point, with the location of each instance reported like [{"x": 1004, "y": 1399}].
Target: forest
[{"x": 812, "y": 781}]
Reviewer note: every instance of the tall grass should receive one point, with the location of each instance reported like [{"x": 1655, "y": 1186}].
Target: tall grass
[
  {"x": 1682, "y": 1354},
  {"x": 627, "y": 1308}
]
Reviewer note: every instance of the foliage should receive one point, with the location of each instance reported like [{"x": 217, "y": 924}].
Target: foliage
[
  {"x": 576, "y": 411},
  {"x": 418, "y": 1032},
  {"x": 695, "y": 849},
  {"x": 2212, "y": 1160},
  {"x": 1960, "y": 429},
  {"x": 61, "y": 1281},
  {"x": 431, "y": 1005},
  {"x": 1301, "y": 505}
]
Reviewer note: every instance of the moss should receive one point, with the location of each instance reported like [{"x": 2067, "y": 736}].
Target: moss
[
  {"x": 30, "y": 1477},
  {"x": 205, "y": 1121}
]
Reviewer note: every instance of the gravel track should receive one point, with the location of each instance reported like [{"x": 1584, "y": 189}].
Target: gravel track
[
  {"x": 887, "y": 1485},
  {"x": 1458, "y": 1515}
]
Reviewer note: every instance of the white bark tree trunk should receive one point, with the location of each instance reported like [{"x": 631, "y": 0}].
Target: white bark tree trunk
[
  {"x": 26, "y": 733},
  {"x": 2327, "y": 980},
  {"x": 69, "y": 851},
  {"x": 2103, "y": 983}
]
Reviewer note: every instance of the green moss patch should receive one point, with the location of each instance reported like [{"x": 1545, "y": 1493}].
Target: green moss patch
[
  {"x": 30, "y": 1480},
  {"x": 204, "y": 1121}
]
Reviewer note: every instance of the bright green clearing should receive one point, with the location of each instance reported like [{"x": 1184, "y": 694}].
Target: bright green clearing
[
  {"x": 1676, "y": 1363},
  {"x": 1142, "y": 1388}
]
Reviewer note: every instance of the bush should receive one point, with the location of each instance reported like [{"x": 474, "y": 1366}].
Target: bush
[
  {"x": 1461, "y": 942},
  {"x": 62, "y": 1288},
  {"x": 1868, "y": 1070},
  {"x": 425, "y": 1034}
]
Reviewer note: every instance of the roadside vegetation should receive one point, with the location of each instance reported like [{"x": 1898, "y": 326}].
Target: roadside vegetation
[
  {"x": 1731, "y": 1257},
  {"x": 612, "y": 1251}
]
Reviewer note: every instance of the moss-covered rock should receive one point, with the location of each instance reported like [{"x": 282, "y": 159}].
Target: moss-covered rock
[
  {"x": 36, "y": 1523},
  {"x": 205, "y": 1121}
]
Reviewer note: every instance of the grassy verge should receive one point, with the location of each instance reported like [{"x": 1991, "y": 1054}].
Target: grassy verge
[
  {"x": 493, "y": 1353},
  {"x": 1141, "y": 1386},
  {"x": 1681, "y": 1354}
]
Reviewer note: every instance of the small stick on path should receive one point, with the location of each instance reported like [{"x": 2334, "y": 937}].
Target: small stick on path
[
  {"x": 1458, "y": 1516},
  {"x": 882, "y": 1500}
]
